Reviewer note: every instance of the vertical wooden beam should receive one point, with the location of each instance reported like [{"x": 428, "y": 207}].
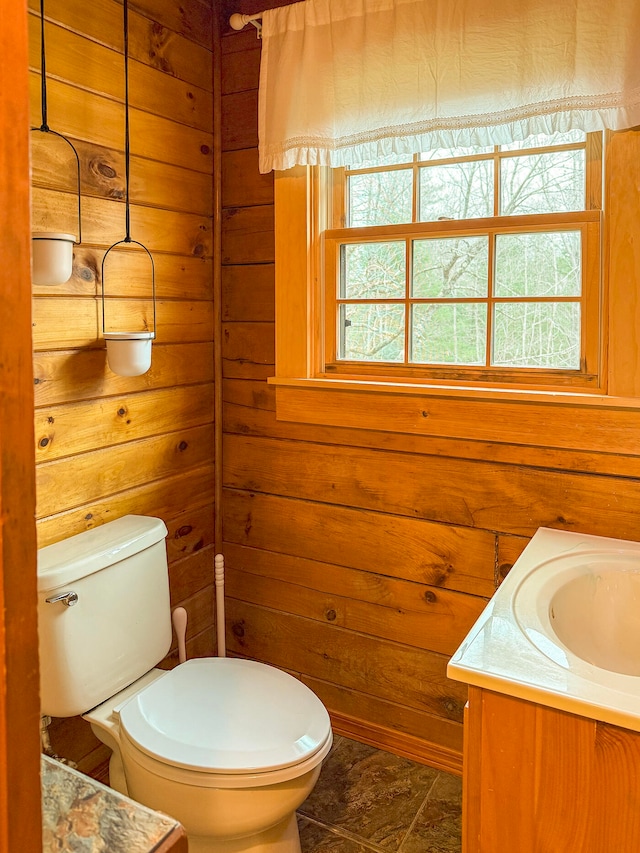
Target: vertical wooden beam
[
  {"x": 217, "y": 286},
  {"x": 622, "y": 241},
  {"x": 20, "y": 825}
]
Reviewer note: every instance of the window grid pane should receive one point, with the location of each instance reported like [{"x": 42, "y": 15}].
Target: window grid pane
[
  {"x": 372, "y": 332},
  {"x": 450, "y": 267},
  {"x": 537, "y": 335},
  {"x": 538, "y": 264},
  {"x": 453, "y": 333},
  {"x": 380, "y": 198},
  {"x": 373, "y": 270},
  {"x": 469, "y": 320}
]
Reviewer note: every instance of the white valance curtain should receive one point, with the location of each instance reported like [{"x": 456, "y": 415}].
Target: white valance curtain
[{"x": 342, "y": 81}]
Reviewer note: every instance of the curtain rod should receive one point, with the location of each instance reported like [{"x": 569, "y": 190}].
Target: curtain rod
[{"x": 239, "y": 22}]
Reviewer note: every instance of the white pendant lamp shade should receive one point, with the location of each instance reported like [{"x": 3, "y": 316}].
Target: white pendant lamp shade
[
  {"x": 129, "y": 353},
  {"x": 52, "y": 257}
]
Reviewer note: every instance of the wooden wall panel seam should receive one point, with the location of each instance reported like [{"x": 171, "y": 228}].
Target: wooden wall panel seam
[
  {"x": 102, "y": 176},
  {"x": 443, "y": 657},
  {"x": 137, "y": 23},
  {"x": 137, "y": 202},
  {"x": 436, "y": 631},
  {"x": 188, "y": 20},
  {"x": 151, "y": 135},
  {"x": 258, "y": 401},
  {"x": 170, "y": 497},
  {"x": 380, "y": 584},
  {"x": 125, "y": 395},
  {"x": 505, "y": 498},
  {"x": 174, "y": 116}
]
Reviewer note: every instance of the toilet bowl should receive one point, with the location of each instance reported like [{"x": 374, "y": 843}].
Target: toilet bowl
[{"x": 229, "y": 747}]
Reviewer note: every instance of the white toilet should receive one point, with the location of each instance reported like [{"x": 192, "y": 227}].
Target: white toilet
[{"x": 228, "y": 747}]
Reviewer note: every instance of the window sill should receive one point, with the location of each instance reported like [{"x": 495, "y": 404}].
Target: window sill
[
  {"x": 416, "y": 389},
  {"x": 569, "y": 421}
]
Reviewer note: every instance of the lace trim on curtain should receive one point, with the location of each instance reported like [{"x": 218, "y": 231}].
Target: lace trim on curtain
[{"x": 589, "y": 114}]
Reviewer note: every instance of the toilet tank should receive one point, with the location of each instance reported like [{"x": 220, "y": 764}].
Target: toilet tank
[{"x": 120, "y": 626}]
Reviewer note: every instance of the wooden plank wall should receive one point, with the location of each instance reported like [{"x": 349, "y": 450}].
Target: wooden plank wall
[
  {"x": 108, "y": 445},
  {"x": 359, "y": 559}
]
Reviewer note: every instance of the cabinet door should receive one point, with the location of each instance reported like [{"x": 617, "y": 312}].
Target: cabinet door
[{"x": 539, "y": 780}]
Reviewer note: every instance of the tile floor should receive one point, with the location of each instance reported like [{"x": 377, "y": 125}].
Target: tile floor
[{"x": 368, "y": 800}]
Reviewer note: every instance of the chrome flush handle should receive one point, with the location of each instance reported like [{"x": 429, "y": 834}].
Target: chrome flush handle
[{"x": 66, "y": 598}]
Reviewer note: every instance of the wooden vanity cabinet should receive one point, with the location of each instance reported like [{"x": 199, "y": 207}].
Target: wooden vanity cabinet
[{"x": 539, "y": 780}]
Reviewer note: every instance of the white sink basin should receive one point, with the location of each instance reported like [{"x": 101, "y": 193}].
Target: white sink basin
[
  {"x": 589, "y": 603},
  {"x": 563, "y": 629}
]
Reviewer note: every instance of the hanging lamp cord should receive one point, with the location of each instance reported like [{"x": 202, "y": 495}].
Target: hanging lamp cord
[
  {"x": 43, "y": 72},
  {"x": 127, "y": 215},
  {"x": 44, "y": 127},
  {"x": 127, "y": 157}
]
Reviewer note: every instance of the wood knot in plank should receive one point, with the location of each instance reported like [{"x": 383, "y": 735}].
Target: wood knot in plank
[
  {"x": 437, "y": 575},
  {"x": 106, "y": 170},
  {"x": 452, "y": 707},
  {"x": 104, "y": 175},
  {"x": 85, "y": 266}
]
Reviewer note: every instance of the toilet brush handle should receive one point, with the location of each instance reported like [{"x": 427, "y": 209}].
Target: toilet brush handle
[{"x": 179, "y": 617}]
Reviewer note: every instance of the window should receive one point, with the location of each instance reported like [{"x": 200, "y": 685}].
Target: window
[
  {"x": 468, "y": 266},
  {"x": 313, "y": 389}
]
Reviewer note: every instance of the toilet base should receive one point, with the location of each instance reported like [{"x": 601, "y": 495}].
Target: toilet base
[{"x": 281, "y": 838}]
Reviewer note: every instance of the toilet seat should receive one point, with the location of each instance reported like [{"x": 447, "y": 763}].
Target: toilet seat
[{"x": 232, "y": 721}]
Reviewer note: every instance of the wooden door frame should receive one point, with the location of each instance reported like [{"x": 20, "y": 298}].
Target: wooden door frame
[{"x": 20, "y": 824}]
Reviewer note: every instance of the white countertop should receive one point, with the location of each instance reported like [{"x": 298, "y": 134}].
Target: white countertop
[{"x": 513, "y": 649}]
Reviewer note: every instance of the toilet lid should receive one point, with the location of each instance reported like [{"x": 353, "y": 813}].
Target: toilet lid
[{"x": 227, "y": 715}]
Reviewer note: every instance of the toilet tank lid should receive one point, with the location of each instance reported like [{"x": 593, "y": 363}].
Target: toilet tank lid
[{"x": 81, "y": 555}]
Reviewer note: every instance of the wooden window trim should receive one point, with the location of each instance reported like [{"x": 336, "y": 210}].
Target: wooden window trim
[{"x": 305, "y": 393}]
